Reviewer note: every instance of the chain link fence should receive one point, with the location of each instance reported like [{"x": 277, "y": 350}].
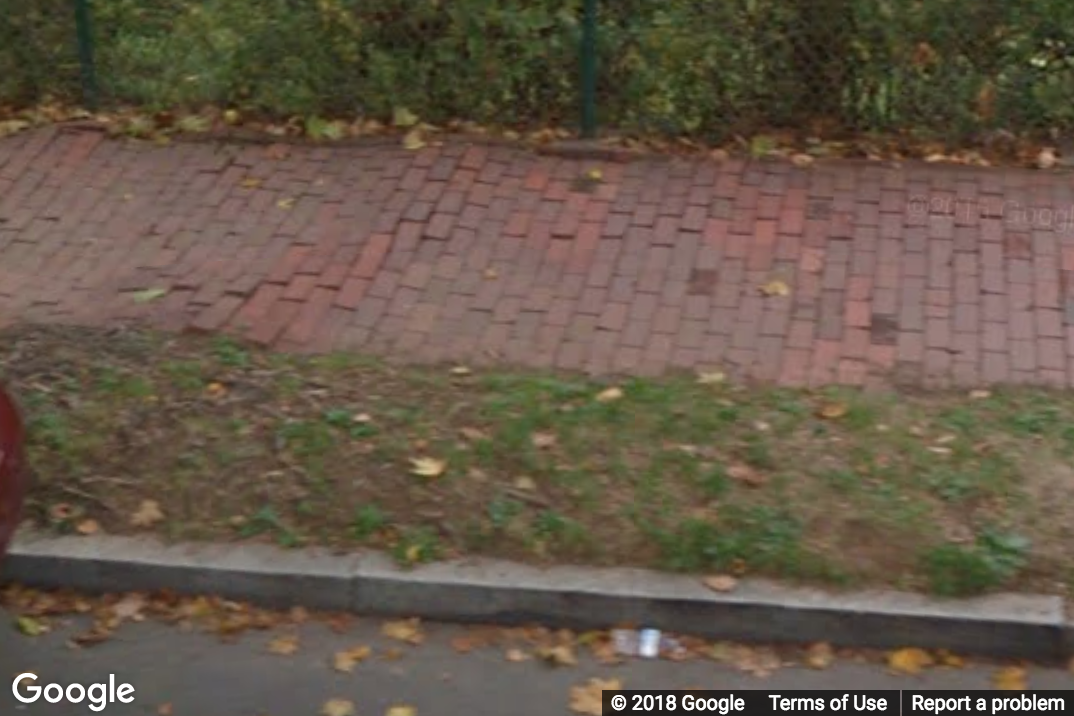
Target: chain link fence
[{"x": 707, "y": 69}]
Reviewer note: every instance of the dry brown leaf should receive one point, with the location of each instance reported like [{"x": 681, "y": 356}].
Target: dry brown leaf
[
  {"x": 588, "y": 699},
  {"x": 130, "y": 607},
  {"x": 775, "y": 288},
  {"x": 414, "y": 140},
  {"x": 719, "y": 155},
  {"x": 1047, "y": 159},
  {"x": 820, "y": 655},
  {"x": 910, "y": 660},
  {"x": 516, "y": 656},
  {"x": 401, "y": 711},
  {"x": 760, "y": 663},
  {"x": 745, "y": 474},
  {"x": 561, "y": 655},
  {"x": 473, "y": 434},
  {"x": 285, "y": 203},
  {"x": 427, "y": 466},
  {"x": 543, "y": 441},
  {"x": 980, "y": 395},
  {"x": 833, "y": 411},
  {"x": 337, "y": 707},
  {"x": 802, "y": 160},
  {"x": 713, "y": 378},
  {"x": 408, "y": 630},
  {"x": 610, "y": 395},
  {"x": 284, "y": 645},
  {"x": 250, "y": 183},
  {"x": 88, "y": 527},
  {"x": 460, "y": 370},
  {"x": 721, "y": 583},
  {"x": 1011, "y": 678},
  {"x": 346, "y": 660},
  {"x": 950, "y": 660},
  {"x": 147, "y": 514}
]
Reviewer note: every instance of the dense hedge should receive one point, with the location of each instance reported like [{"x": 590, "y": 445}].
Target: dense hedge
[{"x": 698, "y": 67}]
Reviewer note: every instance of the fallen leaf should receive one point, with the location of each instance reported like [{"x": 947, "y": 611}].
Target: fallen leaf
[
  {"x": 1047, "y": 159},
  {"x": 745, "y": 474},
  {"x": 491, "y": 274},
  {"x": 833, "y": 411},
  {"x": 149, "y": 295},
  {"x": 543, "y": 441},
  {"x": 337, "y": 707},
  {"x": 589, "y": 699},
  {"x": 820, "y": 655},
  {"x": 232, "y": 116},
  {"x": 130, "y": 607},
  {"x": 516, "y": 656},
  {"x": 713, "y": 378},
  {"x": 473, "y": 434},
  {"x": 934, "y": 158},
  {"x": 953, "y": 661},
  {"x": 403, "y": 117},
  {"x": 802, "y": 160},
  {"x": 910, "y": 660},
  {"x": 147, "y": 514},
  {"x": 776, "y": 288},
  {"x": 980, "y": 395},
  {"x": 610, "y": 395},
  {"x": 285, "y": 203},
  {"x": 88, "y": 527},
  {"x": 721, "y": 583},
  {"x": 427, "y": 466},
  {"x": 561, "y": 655},
  {"x": 413, "y": 140},
  {"x": 407, "y": 630},
  {"x": 346, "y": 660},
  {"x": 595, "y": 175},
  {"x": 1011, "y": 678},
  {"x": 719, "y": 155},
  {"x": 401, "y": 711},
  {"x": 285, "y": 645},
  {"x": 526, "y": 484},
  {"x": 461, "y": 370},
  {"x": 216, "y": 390},
  {"x": 28, "y": 626},
  {"x": 250, "y": 183}
]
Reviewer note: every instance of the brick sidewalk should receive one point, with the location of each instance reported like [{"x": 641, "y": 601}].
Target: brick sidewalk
[{"x": 925, "y": 275}]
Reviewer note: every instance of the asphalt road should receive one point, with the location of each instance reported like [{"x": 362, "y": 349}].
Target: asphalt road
[{"x": 185, "y": 673}]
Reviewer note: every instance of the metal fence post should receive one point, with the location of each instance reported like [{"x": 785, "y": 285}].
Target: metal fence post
[
  {"x": 589, "y": 70},
  {"x": 84, "y": 24}
]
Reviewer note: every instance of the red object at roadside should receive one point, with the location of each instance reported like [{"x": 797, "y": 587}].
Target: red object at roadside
[{"x": 13, "y": 479}]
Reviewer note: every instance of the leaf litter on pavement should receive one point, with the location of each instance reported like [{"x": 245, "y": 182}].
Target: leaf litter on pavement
[{"x": 208, "y": 438}]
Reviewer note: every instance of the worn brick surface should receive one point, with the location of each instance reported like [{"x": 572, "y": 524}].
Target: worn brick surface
[{"x": 476, "y": 253}]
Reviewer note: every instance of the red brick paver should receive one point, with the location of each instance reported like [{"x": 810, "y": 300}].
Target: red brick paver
[{"x": 937, "y": 276}]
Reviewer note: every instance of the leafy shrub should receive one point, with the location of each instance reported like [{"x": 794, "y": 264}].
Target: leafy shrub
[{"x": 679, "y": 67}]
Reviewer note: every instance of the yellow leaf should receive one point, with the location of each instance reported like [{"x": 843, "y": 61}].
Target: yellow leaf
[
  {"x": 345, "y": 660},
  {"x": 401, "y": 711},
  {"x": 413, "y": 553},
  {"x": 413, "y": 140},
  {"x": 149, "y": 295},
  {"x": 216, "y": 390},
  {"x": 953, "y": 661},
  {"x": 337, "y": 707},
  {"x": 147, "y": 514},
  {"x": 516, "y": 656},
  {"x": 820, "y": 656},
  {"x": 88, "y": 527},
  {"x": 408, "y": 630},
  {"x": 980, "y": 395},
  {"x": 562, "y": 655},
  {"x": 596, "y": 175},
  {"x": 776, "y": 288},
  {"x": 833, "y": 411},
  {"x": 285, "y": 203},
  {"x": 427, "y": 466},
  {"x": 1012, "y": 678},
  {"x": 284, "y": 645},
  {"x": 713, "y": 378},
  {"x": 909, "y": 661},
  {"x": 721, "y": 583},
  {"x": 610, "y": 395},
  {"x": 491, "y": 274},
  {"x": 802, "y": 160},
  {"x": 29, "y": 626},
  {"x": 232, "y": 116},
  {"x": 250, "y": 183},
  {"x": 403, "y": 117},
  {"x": 588, "y": 699},
  {"x": 543, "y": 441},
  {"x": 461, "y": 370}
]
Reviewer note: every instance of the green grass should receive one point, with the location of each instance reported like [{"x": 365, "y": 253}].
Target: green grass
[{"x": 941, "y": 492}]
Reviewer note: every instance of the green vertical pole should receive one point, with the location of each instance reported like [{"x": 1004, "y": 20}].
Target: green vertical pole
[
  {"x": 589, "y": 70},
  {"x": 84, "y": 22}
]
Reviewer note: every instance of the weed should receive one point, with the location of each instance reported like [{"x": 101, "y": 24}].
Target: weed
[
  {"x": 416, "y": 545},
  {"x": 368, "y": 521},
  {"x": 958, "y": 571},
  {"x": 230, "y": 353}
]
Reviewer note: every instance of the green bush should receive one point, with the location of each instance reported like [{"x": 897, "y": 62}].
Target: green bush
[{"x": 702, "y": 68}]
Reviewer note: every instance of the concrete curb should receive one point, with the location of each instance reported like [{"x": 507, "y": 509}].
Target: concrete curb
[{"x": 1022, "y": 626}]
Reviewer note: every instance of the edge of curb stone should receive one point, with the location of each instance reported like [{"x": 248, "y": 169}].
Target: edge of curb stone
[{"x": 495, "y": 592}]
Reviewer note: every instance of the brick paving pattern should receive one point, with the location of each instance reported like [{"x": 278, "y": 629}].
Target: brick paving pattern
[{"x": 924, "y": 275}]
